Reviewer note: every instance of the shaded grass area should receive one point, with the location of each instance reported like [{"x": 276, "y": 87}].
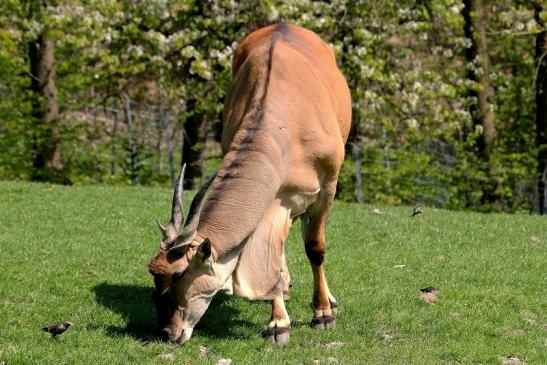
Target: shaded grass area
[{"x": 80, "y": 254}]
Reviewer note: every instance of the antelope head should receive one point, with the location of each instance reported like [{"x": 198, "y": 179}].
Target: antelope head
[
  {"x": 192, "y": 294},
  {"x": 177, "y": 247}
]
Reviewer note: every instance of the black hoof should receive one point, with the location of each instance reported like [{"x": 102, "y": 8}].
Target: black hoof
[
  {"x": 279, "y": 335},
  {"x": 323, "y": 322}
]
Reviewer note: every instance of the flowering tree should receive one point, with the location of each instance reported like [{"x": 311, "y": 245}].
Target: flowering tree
[{"x": 432, "y": 91}]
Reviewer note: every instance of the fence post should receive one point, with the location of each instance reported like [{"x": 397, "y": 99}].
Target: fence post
[
  {"x": 356, "y": 149},
  {"x": 543, "y": 193},
  {"x": 171, "y": 148},
  {"x": 113, "y": 142},
  {"x": 133, "y": 145}
]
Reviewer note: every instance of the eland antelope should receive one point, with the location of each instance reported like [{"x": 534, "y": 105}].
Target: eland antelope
[{"x": 287, "y": 117}]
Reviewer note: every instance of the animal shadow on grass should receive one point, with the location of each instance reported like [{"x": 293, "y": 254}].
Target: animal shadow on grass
[{"x": 134, "y": 303}]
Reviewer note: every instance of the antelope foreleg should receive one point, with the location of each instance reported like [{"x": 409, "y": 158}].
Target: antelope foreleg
[{"x": 279, "y": 328}]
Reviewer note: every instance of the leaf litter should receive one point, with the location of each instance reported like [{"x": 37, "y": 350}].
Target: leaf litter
[{"x": 429, "y": 295}]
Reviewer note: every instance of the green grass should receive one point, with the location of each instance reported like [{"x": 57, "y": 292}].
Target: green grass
[{"x": 80, "y": 254}]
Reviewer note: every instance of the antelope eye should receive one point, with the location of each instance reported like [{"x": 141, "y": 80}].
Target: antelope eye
[
  {"x": 158, "y": 282},
  {"x": 178, "y": 275}
]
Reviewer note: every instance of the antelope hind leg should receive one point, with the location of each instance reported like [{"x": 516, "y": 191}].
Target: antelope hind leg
[{"x": 313, "y": 230}]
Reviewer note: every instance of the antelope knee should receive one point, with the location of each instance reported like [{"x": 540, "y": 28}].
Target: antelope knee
[{"x": 315, "y": 251}]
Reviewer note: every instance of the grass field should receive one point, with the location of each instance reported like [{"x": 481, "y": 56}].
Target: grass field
[{"x": 80, "y": 254}]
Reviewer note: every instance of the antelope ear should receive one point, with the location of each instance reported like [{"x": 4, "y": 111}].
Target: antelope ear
[{"x": 204, "y": 250}]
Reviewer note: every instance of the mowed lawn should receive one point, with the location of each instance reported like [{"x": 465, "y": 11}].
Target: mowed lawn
[{"x": 80, "y": 254}]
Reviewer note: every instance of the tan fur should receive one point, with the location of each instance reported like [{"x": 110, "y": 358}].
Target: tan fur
[
  {"x": 261, "y": 264},
  {"x": 283, "y": 134},
  {"x": 159, "y": 264},
  {"x": 286, "y": 119}
]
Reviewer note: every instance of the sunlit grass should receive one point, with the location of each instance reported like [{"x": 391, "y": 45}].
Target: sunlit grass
[{"x": 80, "y": 254}]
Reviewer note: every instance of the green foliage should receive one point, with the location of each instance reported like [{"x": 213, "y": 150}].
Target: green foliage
[{"x": 404, "y": 62}]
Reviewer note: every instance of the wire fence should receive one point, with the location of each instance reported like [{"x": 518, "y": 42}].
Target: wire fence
[
  {"x": 143, "y": 141},
  {"x": 435, "y": 173},
  {"x": 133, "y": 138}
]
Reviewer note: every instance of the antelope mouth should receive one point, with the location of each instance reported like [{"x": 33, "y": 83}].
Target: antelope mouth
[{"x": 186, "y": 335}]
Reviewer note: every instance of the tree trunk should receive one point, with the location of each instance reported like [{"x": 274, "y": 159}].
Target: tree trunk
[
  {"x": 47, "y": 162},
  {"x": 170, "y": 149},
  {"x": 541, "y": 109},
  {"x": 160, "y": 126},
  {"x": 193, "y": 148},
  {"x": 481, "y": 111}
]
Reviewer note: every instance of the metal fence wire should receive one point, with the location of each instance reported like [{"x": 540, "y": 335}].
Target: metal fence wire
[{"x": 439, "y": 175}]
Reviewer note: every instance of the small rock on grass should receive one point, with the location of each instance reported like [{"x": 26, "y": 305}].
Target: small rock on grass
[
  {"x": 535, "y": 240},
  {"x": 166, "y": 357},
  {"x": 204, "y": 350},
  {"x": 328, "y": 360},
  {"x": 334, "y": 344},
  {"x": 512, "y": 360},
  {"x": 225, "y": 362}
]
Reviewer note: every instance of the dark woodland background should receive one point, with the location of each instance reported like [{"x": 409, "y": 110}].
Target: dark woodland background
[{"x": 449, "y": 97}]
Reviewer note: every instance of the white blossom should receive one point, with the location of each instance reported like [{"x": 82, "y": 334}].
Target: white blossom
[
  {"x": 412, "y": 123},
  {"x": 447, "y": 53}
]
